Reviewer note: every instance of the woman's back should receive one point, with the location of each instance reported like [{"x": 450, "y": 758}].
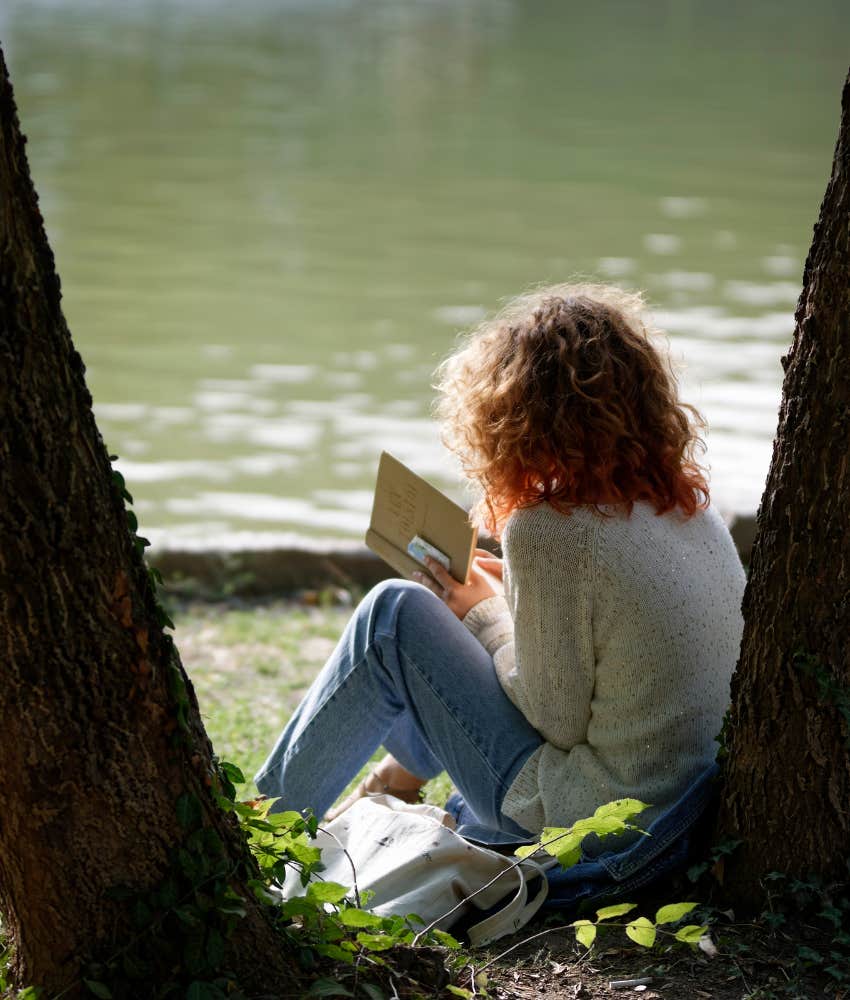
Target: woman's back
[{"x": 626, "y": 632}]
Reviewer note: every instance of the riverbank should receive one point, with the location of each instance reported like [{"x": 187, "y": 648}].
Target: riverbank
[
  {"x": 313, "y": 566},
  {"x": 250, "y": 662}
]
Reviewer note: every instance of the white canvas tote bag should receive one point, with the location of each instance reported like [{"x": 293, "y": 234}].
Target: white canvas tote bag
[{"x": 414, "y": 862}]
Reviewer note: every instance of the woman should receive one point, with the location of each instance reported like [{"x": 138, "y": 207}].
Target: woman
[{"x": 603, "y": 672}]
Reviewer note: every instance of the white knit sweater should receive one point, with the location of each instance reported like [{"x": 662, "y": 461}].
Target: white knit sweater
[{"x": 616, "y": 639}]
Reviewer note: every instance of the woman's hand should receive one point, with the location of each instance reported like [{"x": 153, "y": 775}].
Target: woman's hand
[
  {"x": 489, "y": 563},
  {"x": 460, "y": 597}
]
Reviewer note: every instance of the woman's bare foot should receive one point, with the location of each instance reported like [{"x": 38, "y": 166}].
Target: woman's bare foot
[{"x": 387, "y": 777}]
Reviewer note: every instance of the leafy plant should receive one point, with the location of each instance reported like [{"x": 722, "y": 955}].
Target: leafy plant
[
  {"x": 642, "y": 930},
  {"x": 183, "y": 923},
  {"x": 715, "y": 861},
  {"x": 564, "y": 843},
  {"x": 822, "y": 910}
]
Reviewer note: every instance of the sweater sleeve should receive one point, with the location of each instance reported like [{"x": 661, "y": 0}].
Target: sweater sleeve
[
  {"x": 491, "y": 623},
  {"x": 551, "y": 674}
]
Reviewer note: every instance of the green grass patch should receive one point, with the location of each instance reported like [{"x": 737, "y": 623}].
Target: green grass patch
[{"x": 251, "y": 665}]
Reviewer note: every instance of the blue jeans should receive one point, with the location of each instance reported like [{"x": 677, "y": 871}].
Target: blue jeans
[{"x": 409, "y": 675}]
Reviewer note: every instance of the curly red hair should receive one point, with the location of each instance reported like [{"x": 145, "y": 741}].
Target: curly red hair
[{"x": 562, "y": 397}]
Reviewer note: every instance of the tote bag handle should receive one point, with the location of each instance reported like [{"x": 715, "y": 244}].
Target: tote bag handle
[{"x": 516, "y": 912}]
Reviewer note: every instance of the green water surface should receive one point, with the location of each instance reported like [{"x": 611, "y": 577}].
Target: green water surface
[{"x": 272, "y": 219}]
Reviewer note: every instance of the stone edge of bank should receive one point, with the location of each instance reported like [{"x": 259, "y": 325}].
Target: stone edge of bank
[{"x": 258, "y": 573}]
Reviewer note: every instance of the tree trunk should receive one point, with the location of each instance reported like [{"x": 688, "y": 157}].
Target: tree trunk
[
  {"x": 100, "y": 731},
  {"x": 787, "y": 784}
]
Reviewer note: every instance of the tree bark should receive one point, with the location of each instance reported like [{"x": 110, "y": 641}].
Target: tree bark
[
  {"x": 100, "y": 729},
  {"x": 787, "y": 781}
]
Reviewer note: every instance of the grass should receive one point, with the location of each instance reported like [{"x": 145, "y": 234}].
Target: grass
[{"x": 251, "y": 665}]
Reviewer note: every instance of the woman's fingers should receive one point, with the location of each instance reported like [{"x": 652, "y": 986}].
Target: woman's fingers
[
  {"x": 459, "y": 597},
  {"x": 427, "y": 581},
  {"x": 442, "y": 575},
  {"x": 440, "y": 580},
  {"x": 490, "y": 564}
]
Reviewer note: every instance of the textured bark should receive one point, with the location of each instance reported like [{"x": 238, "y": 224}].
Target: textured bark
[
  {"x": 787, "y": 788},
  {"x": 91, "y": 760}
]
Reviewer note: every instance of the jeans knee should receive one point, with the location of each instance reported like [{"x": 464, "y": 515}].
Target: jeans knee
[{"x": 391, "y": 599}]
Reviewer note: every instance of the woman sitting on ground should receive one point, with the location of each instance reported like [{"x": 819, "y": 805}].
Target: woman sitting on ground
[{"x": 603, "y": 672}]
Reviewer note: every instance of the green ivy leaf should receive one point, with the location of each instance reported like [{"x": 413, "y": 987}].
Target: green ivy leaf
[
  {"x": 376, "y": 942},
  {"x": 298, "y": 906},
  {"x": 459, "y": 991},
  {"x": 333, "y": 951},
  {"x": 373, "y": 992},
  {"x": 691, "y": 933},
  {"x": 233, "y": 772},
  {"x": 564, "y": 843},
  {"x": 585, "y": 932},
  {"x": 642, "y": 932},
  {"x": 359, "y": 918},
  {"x": 696, "y": 872},
  {"x": 188, "y": 914},
  {"x": 672, "y": 912},
  {"x": 569, "y": 858},
  {"x": 290, "y": 819},
  {"x": 446, "y": 940},
  {"x": 326, "y": 892},
  {"x": 98, "y": 989},
  {"x": 609, "y": 912},
  {"x": 623, "y": 809}
]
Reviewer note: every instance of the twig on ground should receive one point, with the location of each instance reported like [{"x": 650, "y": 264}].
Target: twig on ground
[
  {"x": 533, "y": 937},
  {"x": 743, "y": 977}
]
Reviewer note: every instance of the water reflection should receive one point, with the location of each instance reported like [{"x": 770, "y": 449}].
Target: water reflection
[{"x": 273, "y": 218}]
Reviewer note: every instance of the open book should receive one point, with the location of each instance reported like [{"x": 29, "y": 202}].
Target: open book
[{"x": 411, "y": 515}]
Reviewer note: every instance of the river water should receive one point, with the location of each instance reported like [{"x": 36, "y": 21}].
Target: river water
[{"x": 272, "y": 219}]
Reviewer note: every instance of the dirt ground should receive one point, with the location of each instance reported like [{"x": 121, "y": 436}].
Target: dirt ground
[{"x": 751, "y": 964}]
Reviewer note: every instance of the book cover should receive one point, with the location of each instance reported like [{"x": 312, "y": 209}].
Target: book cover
[{"x": 406, "y": 508}]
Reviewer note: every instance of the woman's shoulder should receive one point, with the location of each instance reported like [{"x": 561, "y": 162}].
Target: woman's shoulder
[
  {"x": 671, "y": 538},
  {"x": 542, "y": 518},
  {"x": 541, "y": 530},
  {"x": 617, "y": 527}
]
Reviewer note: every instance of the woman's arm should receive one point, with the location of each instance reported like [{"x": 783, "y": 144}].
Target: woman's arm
[{"x": 550, "y": 670}]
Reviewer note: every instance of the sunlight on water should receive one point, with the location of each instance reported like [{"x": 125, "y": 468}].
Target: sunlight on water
[{"x": 273, "y": 219}]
